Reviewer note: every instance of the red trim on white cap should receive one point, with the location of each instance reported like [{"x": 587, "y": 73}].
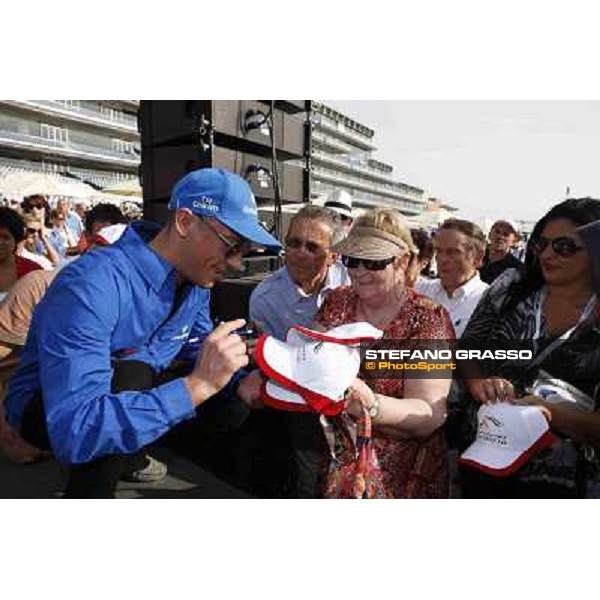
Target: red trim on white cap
[
  {"x": 268, "y": 400},
  {"x": 319, "y": 403},
  {"x": 323, "y": 337},
  {"x": 543, "y": 442},
  {"x": 287, "y": 406}
]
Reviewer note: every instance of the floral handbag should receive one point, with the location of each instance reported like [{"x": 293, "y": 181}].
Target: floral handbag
[{"x": 354, "y": 470}]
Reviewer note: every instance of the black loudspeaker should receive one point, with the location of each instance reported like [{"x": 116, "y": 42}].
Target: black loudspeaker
[
  {"x": 244, "y": 136},
  {"x": 230, "y": 298}
]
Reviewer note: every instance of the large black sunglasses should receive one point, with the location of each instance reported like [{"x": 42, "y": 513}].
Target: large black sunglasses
[
  {"x": 350, "y": 262},
  {"x": 563, "y": 246}
]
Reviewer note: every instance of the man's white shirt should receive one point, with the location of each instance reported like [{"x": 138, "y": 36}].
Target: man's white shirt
[{"x": 461, "y": 304}]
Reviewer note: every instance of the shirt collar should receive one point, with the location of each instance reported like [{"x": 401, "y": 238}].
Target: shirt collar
[
  {"x": 151, "y": 266},
  {"x": 466, "y": 288},
  {"x": 330, "y": 281},
  {"x": 327, "y": 284}
]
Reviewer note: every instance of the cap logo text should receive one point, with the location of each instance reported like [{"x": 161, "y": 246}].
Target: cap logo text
[{"x": 205, "y": 203}]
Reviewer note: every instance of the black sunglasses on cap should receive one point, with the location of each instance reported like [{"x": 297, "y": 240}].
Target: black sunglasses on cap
[
  {"x": 350, "y": 262},
  {"x": 565, "y": 247}
]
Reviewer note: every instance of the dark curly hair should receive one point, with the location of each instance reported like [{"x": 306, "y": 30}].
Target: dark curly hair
[
  {"x": 37, "y": 200},
  {"x": 106, "y": 213},
  {"x": 423, "y": 242},
  {"x": 580, "y": 211},
  {"x": 12, "y": 221}
]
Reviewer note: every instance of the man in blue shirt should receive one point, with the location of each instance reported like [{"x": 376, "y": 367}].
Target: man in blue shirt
[{"x": 146, "y": 291}]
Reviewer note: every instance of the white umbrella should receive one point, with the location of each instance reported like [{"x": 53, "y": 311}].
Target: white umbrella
[
  {"x": 27, "y": 183},
  {"x": 130, "y": 187},
  {"x": 78, "y": 189}
]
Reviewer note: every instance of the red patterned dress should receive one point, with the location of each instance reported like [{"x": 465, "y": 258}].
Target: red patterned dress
[{"x": 412, "y": 468}]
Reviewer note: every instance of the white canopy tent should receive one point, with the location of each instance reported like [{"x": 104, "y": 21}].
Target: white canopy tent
[{"x": 129, "y": 187}]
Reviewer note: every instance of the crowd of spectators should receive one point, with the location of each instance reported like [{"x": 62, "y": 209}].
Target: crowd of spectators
[{"x": 338, "y": 270}]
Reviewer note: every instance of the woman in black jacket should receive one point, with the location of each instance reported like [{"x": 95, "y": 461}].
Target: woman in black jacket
[{"x": 552, "y": 310}]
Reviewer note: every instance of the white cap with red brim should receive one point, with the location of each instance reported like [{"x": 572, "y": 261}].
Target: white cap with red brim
[
  {"x": 508, "y": 435},
  {"x": 318, "y": 367}
]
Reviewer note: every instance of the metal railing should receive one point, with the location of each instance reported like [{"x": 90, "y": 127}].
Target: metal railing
[
  {"x": 335, "y": 144},
  {"x": 368, "y": 187},
  {"x": 350, "y": 136},
  {"x": 70, "y": 148},
  {"x": 123, "y": 122},
  {"x": 370, "y": 173},
  {"x": 357, "y": 178}
]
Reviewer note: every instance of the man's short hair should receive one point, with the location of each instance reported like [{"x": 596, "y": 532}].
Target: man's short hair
[
  {"x": 423, "y": 242},
  {"x": 470, "y": 229},
  {"x": 104, "y": 213},
  {"x": 327, "y": 216}
]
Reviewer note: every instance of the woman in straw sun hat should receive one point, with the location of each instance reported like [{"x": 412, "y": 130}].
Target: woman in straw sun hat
[{"x": 406, "y": 412}]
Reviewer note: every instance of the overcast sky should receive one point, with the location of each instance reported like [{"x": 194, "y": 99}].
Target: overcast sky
[{"x": 499, "y": 159}]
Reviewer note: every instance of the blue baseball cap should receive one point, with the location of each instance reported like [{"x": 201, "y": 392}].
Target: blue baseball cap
[{"x": 226, "y": 197}]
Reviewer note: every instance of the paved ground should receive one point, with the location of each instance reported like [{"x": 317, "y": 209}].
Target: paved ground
[{"x": 185, "y": 480}]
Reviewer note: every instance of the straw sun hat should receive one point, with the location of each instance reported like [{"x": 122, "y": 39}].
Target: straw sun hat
[{"x": 367, "y": 241}]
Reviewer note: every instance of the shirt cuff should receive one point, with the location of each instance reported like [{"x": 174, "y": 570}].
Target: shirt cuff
[{"x": 177, "y": 402}]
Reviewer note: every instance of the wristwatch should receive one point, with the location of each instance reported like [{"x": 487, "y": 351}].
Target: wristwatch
[{"x": 373, "y": 409}]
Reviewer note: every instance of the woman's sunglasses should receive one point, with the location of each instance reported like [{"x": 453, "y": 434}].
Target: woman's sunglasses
[
  {"x": 371, "y": 265},
  {"x": 565, "y": 247}
]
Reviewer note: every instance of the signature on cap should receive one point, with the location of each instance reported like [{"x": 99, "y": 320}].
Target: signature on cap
[{"x": 485, "y": 425}]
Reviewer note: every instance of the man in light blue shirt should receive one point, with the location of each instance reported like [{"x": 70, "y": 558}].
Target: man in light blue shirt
[
  {"x": 293, "y": 296},
  {"x": 145, "y": 291}
]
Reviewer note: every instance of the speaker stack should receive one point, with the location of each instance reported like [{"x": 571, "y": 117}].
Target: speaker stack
[
  {"x": 267, "y": 142},
  {"x": 243, "y": 136}
]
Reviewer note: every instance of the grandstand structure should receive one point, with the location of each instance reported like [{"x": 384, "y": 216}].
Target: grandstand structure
[{"x": 97, "y": 142}]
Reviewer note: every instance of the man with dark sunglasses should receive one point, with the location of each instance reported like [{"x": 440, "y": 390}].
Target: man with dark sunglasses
[
  {"x": 292, "y": 296},
  {"x": 81, "y": 389}
]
